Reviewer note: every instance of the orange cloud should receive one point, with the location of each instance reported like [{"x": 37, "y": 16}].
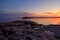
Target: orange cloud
[{"x": 48, "y": 14}]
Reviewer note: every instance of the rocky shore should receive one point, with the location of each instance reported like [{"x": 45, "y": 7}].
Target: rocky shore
[{"x": 28, "y": 30}]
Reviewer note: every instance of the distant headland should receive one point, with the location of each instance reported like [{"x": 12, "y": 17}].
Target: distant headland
[{"x": 38, "y": 17}]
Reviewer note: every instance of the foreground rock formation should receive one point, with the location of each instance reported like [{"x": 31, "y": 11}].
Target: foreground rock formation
[{"x": 27, "y": 30}]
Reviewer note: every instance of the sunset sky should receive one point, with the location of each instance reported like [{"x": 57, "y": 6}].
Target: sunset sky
[{"x": 32, "y": 6}]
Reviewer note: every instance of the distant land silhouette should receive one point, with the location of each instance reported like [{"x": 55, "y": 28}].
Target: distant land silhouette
[{"x": 39, "y": 17}]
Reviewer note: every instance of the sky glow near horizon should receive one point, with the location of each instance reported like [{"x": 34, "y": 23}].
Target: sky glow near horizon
[{"x": 33, "y": 6}]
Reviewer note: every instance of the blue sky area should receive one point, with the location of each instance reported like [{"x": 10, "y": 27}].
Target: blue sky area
[{"x": 34, "y": 6}]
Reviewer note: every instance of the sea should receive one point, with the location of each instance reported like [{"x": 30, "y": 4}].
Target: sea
[
  {"x": 45, "y": 21},
  {"x": 37, "y": 20}
]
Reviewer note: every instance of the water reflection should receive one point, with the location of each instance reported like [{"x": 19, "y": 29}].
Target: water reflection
[{"x": 45, "y": 20}]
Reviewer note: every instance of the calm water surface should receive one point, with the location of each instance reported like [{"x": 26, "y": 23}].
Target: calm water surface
[{"x": 45, "y": 20}]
